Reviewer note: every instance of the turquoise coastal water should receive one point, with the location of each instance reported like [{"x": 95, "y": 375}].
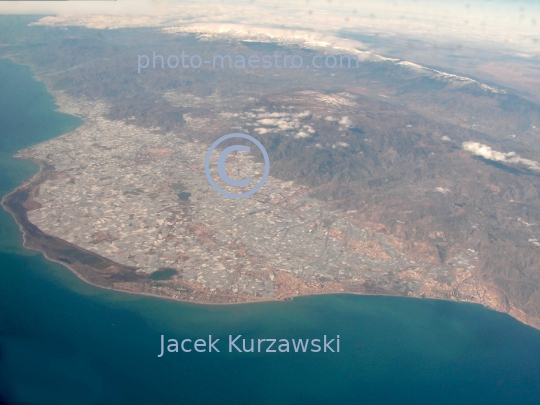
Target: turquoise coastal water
[{"x": 63, "y": 341}]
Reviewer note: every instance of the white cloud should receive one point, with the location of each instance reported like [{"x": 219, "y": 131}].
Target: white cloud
[
  {"x": 301, "y": 134},
  {"x": 304, "y": 114},
  {"x": 78, "y": 8},
  {"x": 345, "y": 121},
  {"x": 320, "y": 26},
  {"x": 442, "y": 190},
  {"x": 269, "y": 121},
  {"x": 487, "y": 152},
  {"x": 285, "y": 125},
  {"x": 512, "y": 24}
]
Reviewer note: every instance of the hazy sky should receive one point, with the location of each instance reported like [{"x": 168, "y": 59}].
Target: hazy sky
[{"x": 515, "y": 24}]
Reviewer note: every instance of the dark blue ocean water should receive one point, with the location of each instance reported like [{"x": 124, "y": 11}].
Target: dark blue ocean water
[{"x": 63, "y": 341}]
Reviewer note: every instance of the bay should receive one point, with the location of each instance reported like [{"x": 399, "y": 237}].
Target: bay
[{"x": 63, "y": 341}]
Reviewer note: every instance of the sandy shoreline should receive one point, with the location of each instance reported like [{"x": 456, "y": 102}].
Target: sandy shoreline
[
  {"x": 523, "y": 319},
  {"x": 27, "y": 243}
]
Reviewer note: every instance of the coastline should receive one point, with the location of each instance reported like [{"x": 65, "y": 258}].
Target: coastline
[
  {"x": 27, "y": 243},
  {"x": 87, "y": 274}
]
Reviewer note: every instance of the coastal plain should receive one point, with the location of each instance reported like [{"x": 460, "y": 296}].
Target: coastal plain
[
  {"x": 383, "y": 187},
  {"x": 114, "y": 192},
  {"x": 371, "y": 187}
]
